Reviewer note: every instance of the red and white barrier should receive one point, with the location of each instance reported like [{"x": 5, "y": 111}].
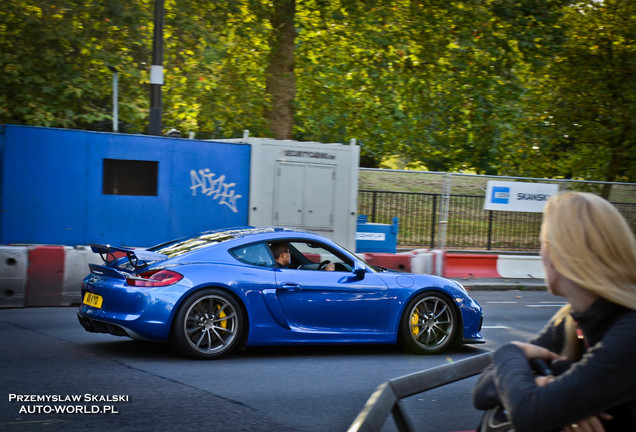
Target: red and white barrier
[
  {"x": 41, "y": 275},
  {"x": 468, "y": 265},
  {"x": 437, "y": 262},
  {"x": 519, "y": 267},
  {"x": 52, "y": 275},
  {"x": 493, "y": 266},
  {"x": 399, "y": 261},
  {"x": 45, "y": 276},
  {"x": 14, "y": 261},
  {"x": 75, "y": 270}
]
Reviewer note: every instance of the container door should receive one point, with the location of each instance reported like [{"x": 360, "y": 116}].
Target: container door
[
  {"x": 288, "y": 200},
  {"x": 304, "y": 195},
  {"x": 319, "y": 194}
]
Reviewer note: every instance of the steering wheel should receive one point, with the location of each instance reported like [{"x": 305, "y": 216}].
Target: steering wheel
[{"x": 323, "y": 264}]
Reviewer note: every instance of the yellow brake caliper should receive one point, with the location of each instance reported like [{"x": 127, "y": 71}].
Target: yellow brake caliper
[
  {"x": 415, "y": 329},
  {"x": 222, "y": 315}
]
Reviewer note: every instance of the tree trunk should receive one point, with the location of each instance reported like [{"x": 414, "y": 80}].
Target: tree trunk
[
  {"x": 611, "y": 174},
  {"x": 281, "y": 81}
]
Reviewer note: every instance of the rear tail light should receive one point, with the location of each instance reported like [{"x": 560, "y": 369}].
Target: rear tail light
[{"x": 155, "y": 278}]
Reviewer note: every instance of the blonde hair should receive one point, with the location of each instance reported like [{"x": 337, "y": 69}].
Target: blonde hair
[{"x": 590, "y": 243}]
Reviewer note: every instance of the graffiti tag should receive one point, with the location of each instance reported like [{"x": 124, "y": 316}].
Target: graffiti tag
[{"x": 214, "y": 186}]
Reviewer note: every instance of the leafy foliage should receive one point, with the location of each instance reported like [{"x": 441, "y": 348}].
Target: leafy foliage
[{"x": 534, "y": 88}]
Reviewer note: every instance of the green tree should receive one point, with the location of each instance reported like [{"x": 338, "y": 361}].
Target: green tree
[
  {"x": 579, "y": 106},
  {"x": 432, "y": 81},
  {"x": 54, "y": 58},
  {"x": 281, "y": 78},
  {"x": 594, "y": 98},
  {"x": 533, "y": 88}
]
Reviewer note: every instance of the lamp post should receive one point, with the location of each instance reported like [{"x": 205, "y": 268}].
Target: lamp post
[
  {"x": 156, "y": 71},
  {"x": 115, "y": 72}
]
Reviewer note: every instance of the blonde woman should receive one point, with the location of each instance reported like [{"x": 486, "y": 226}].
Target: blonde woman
[{"x": 589, "y": 257}]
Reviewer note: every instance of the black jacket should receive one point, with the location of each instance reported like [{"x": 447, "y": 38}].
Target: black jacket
[{"x": 602, "y": 380}]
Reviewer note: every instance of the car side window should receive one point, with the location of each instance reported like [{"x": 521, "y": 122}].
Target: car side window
[
  {"x": 255, "y": 254},
  {"x": 315, "y": 256}
]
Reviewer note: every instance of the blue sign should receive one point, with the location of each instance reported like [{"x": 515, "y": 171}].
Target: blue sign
[
  {"x": 518, "y": 196},
  {"x": 500, "y": 195}
]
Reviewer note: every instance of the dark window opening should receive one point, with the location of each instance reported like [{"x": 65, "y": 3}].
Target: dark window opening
[{"x": 130, "y": 177}]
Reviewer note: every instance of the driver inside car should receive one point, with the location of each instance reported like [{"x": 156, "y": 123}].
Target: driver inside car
[{"x": 282, "y": 255}]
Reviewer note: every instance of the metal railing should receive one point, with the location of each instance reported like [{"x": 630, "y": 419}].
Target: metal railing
[
  {"x": 441, "y": 219},
  {"x": 387, "y": 397},
  {"x": 468, "y": 225},
  {"x": 417, "y": 212}
]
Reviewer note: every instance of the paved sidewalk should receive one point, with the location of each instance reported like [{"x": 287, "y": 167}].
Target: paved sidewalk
[{"x": 524, "y": 284}]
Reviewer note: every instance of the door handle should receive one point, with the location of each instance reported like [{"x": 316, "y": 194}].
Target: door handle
[{"x": 288, "y": 286}]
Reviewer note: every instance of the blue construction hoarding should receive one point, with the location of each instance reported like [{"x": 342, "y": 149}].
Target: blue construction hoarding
[{"x": 71, "y": 187}]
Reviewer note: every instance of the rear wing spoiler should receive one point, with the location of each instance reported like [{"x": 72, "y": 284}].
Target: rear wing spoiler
[{"x": 136, "y": 257}]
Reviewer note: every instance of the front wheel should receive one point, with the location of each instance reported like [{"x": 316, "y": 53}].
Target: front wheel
[
  {"x": 208, "y": 325},
  {"x": 429, "y": 324}
]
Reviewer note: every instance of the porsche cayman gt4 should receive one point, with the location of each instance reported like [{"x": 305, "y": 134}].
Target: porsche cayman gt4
[{"x": 224, "y": 290}]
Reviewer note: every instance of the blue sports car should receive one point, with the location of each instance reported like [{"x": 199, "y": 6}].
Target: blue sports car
[{"x": 229, "y": 289}]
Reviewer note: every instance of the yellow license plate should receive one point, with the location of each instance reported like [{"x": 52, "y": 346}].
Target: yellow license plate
[{"x": 93, "y": 300}]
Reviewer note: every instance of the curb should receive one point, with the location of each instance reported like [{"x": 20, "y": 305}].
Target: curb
[{"x": 502, "y": 284}]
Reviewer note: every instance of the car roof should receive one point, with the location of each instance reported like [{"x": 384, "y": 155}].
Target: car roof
[
  {"x": 249, "y": 230},
  {"x": 246, "y": 232},
  {"x": 230, "y": 236}
]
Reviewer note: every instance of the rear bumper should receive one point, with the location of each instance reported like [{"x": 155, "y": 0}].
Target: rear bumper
[{"x": 96, "y": 326}]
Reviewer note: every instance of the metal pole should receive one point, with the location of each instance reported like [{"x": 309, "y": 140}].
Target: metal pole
[
  {"x": 375, "y": 204},
  {"x": 443, "y": 218},
  {"x": 115, "y": 72},
  {"x": 490, "y": 218},
  {"x": 156, "y": 71},
  {"x": 115, "y": 102},
  {"x": 433, "y": 221}
]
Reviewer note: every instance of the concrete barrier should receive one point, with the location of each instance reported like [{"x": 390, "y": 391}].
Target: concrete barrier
[
  {"x": 45, "y": 276},
  {"x": 427, "y": 261},
  {"x": 438, "y": 262},
  {"x": 422, "y": 261},
  {"x": 400, "y": 261},
  {"x": 75, "y": 269},
  {"x": 52, "y": 275},
  {"x": 14, "y": 262},
  {"x": 470, "y": 266},
  {"x": 520, "y": 266}
]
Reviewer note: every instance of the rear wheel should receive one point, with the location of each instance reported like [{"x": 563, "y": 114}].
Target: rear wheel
[
  {"x": 429, "y": 324},
  {"x": 208, "y": 325}
]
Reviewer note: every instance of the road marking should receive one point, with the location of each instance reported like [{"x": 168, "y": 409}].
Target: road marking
[
  {"x": 495, "y": 327},
  {"x": 545, "y": 305}
]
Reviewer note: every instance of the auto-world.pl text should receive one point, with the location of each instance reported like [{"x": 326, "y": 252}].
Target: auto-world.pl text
[{"x": 67, "y": 404}]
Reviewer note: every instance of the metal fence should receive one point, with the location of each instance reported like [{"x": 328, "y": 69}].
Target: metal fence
[{"x": 449, "y": 219}]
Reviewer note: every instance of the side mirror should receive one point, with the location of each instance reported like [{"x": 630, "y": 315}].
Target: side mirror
[{"x": 359, "y": 270}]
